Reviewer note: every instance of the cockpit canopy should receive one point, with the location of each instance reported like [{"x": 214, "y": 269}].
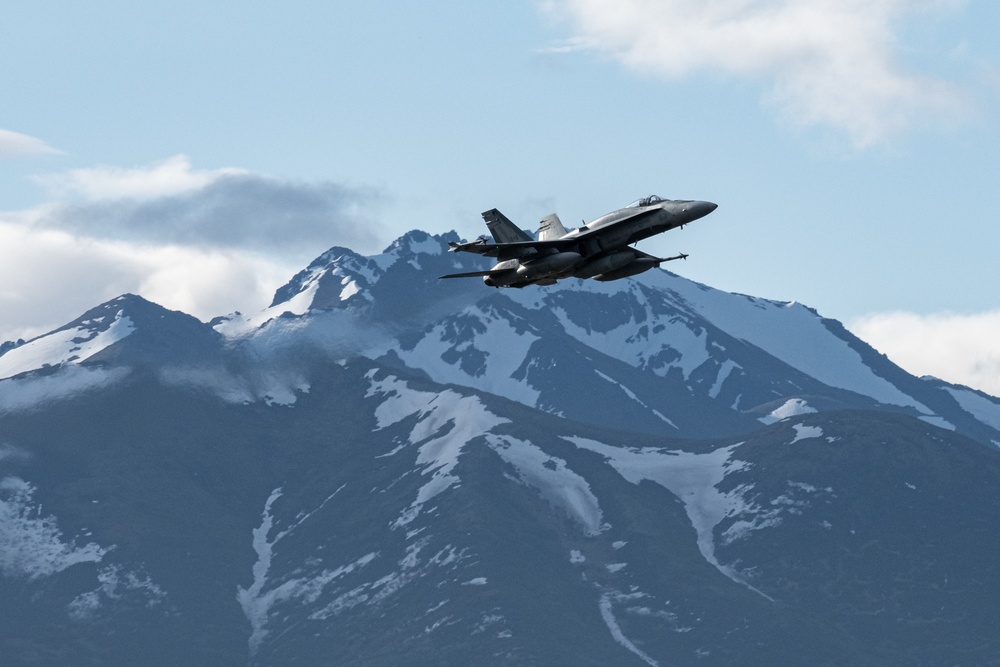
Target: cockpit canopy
[{"x": 647, "y": 201}]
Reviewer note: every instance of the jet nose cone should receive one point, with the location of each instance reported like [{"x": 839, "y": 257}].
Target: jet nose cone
[{"x": 699, "y": 209}]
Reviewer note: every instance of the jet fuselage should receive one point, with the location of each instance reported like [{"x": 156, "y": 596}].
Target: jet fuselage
[{"x": 598, "y": 249}]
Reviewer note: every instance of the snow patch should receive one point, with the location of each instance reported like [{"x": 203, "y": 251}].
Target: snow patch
[
  {"x": 257, "y": 600},
  {"x": 980, "y": 407},
  {"x": 557, "y": 484},
  {"x": 350, "y": 288},
  {"x": 791, "y": 408},
  {"x": 635, "y": 398},
  {"x": 428, "y": 246},
  {"x": 31, "y": 545},
  {"x": 447, "y": 421},
  {"x": 803, "y": 432},
  {"x": 728, "y": 366},
  {"x": 502, "y": 347},
  {"x": 690, "y": 346},
  {"x": 940, "y": 422},
  {"x": 607, "y": 613},
  {"x": 115, "y": 585},
  {"x": 410, "y": 568},
  {"x": 693, "y": 478}
]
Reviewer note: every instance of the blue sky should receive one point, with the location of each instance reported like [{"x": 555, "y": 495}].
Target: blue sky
[{"x": 200, "y": 153}]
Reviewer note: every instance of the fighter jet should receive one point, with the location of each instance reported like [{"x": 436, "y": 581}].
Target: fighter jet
[{"x": 598, "y": 249}]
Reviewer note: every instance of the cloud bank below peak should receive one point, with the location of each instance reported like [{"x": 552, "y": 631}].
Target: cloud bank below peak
[{"x": 831, "y": 64}]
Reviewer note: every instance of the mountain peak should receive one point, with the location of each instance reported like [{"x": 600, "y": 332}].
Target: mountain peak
[
  {"x": 417, "y": 241},
  {"x": 341, "y": 277},
  {"x": 91, "y": 336}
]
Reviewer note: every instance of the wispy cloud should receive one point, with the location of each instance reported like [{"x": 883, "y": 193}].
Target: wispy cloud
[
  {"x": 15, "y": 144},
  {"x": 172, "y": 176},
  {"x": 828, "y": 62},
  {"x": 964, "y": 349}
]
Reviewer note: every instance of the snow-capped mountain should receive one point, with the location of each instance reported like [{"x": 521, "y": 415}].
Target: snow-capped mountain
[
  {"x": 385, "y": 468},
  {"x": 671, "y": 356}
]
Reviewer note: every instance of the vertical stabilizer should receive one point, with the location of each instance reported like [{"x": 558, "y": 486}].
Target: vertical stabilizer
[
  {"x": 502, "y": 229},
  {"x": 551, "y": 228}
]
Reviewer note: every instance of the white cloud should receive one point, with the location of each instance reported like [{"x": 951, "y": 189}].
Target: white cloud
[
  {"x": 964, "y": 349},
  {"x": 15, "y": 144},
  {"x": 49, "y": 277},
  {"x": 829, "y": 62},
  {"x": 170, "y": 177}
]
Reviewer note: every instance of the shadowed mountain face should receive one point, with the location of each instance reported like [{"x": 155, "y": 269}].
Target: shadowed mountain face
[{"x": 383, "y": 468}]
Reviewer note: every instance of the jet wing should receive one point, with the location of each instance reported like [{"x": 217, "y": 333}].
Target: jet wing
[
  {"x": 476, "y": 274},
  {"x": 516, "y": 250}
]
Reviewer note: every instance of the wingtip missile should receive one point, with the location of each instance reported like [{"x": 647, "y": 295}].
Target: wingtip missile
[
  {"x": 660, "y": 260},
  {"x": 465, "y": 245}
]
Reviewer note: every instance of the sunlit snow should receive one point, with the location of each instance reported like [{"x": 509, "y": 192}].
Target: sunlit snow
[
  {"x": 789, "y": 332},
  {"x": 504, "y": 350},
  {"x": 790, "y": 408},
  {"x": 243, "y": 325},
  {"x": 68, "y": 345},
  {"x": 350, "y": 289}
]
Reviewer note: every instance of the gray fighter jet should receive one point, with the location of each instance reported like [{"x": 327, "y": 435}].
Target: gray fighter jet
[{"x": 599, "y": 249}]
